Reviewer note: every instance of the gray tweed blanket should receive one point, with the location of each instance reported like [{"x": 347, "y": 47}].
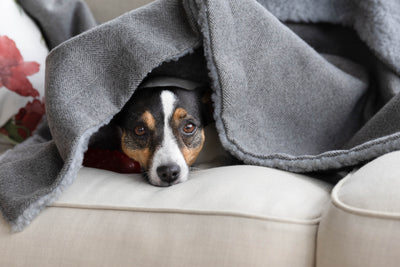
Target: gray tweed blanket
[{"x": 302, "y": 85}]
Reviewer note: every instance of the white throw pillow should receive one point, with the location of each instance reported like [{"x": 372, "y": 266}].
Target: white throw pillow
[{"x": 22, "y": 61}]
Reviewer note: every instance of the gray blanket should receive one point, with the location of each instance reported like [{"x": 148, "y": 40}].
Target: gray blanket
[{"x": 293, "y": 88}]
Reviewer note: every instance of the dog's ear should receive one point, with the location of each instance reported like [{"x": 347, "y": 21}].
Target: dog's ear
[{"x": 207, "y": 107}]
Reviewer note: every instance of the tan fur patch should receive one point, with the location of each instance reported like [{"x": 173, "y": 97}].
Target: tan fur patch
[
  {"x": 148, "y": 118},
  {"x": 140, "y": 155},
  {"x": 191, "y": 154},
  {"x": 179, "y": 115}
]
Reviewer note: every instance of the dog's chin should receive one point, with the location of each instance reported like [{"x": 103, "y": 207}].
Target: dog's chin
[
  {"x": 159, "y": 183},
  {"x": 156, "y": 181}
]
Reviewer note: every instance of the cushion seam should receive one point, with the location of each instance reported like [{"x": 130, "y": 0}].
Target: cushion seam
[
  {"x": 356, "y": 210},
  {"x": 314, "y": 221}
]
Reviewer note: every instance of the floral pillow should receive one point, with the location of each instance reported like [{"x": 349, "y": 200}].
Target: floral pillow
[{"x": 22, "y": 60}]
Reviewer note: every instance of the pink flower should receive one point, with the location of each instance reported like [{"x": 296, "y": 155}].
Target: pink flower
[
  {"x": 21, "y": 126},
  {"x": 14, "y": 70}
]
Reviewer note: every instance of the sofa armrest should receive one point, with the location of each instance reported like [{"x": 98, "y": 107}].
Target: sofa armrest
[{"x": 361, "y": 227}]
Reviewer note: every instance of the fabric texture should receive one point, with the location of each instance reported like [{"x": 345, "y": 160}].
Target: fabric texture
[
  {"x": 374, "y": 187},
  {"x": 272, "y": 194},
  {"x": 362, "y": 225},
  {"x": 123, "y": 221},
  {"x": 351, "y": 239},
  {"x": 299, "y": 97},
  {"x": 59, "y": 20}
]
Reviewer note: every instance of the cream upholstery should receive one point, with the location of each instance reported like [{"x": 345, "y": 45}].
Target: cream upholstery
[
  {"x": 105, "y": 10},
  {"x": 228, "y": 216},
  {"x": 361, "y": 227}
]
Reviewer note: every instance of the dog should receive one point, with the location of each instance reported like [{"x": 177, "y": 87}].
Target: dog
[{"x": 162, "y": 127}]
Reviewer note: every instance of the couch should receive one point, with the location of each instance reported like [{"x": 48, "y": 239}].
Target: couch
[{"x": 238, "y": 215}]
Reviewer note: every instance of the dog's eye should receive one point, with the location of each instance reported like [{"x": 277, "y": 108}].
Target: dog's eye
[
  {"x": 189, "y": 128},
  {"x": 140, "y": 130}
]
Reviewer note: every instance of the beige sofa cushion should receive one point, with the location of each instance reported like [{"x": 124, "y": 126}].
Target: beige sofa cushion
[
  {"x": 362, "y": 225},
  {"x": 105, "y": 10},
  {"x": 228, "y": 216}
]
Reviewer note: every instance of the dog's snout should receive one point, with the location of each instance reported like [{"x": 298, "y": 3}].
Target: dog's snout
[{"x": 169, "y": 173}]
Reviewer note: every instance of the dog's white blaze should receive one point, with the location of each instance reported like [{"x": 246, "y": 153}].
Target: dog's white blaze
[{"x": 169, "y": 151}]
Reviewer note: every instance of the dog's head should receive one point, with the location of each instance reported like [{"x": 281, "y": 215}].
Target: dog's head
[{"x": 162, "y": 129}]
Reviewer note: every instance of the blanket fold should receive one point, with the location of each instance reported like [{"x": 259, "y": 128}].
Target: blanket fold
[
  {"x": 59, "y": 20},
  {"x": 299, "y": 97}
]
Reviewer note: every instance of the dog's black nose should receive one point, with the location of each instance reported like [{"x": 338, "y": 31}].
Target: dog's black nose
[{"x": 168, "y": 173}]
